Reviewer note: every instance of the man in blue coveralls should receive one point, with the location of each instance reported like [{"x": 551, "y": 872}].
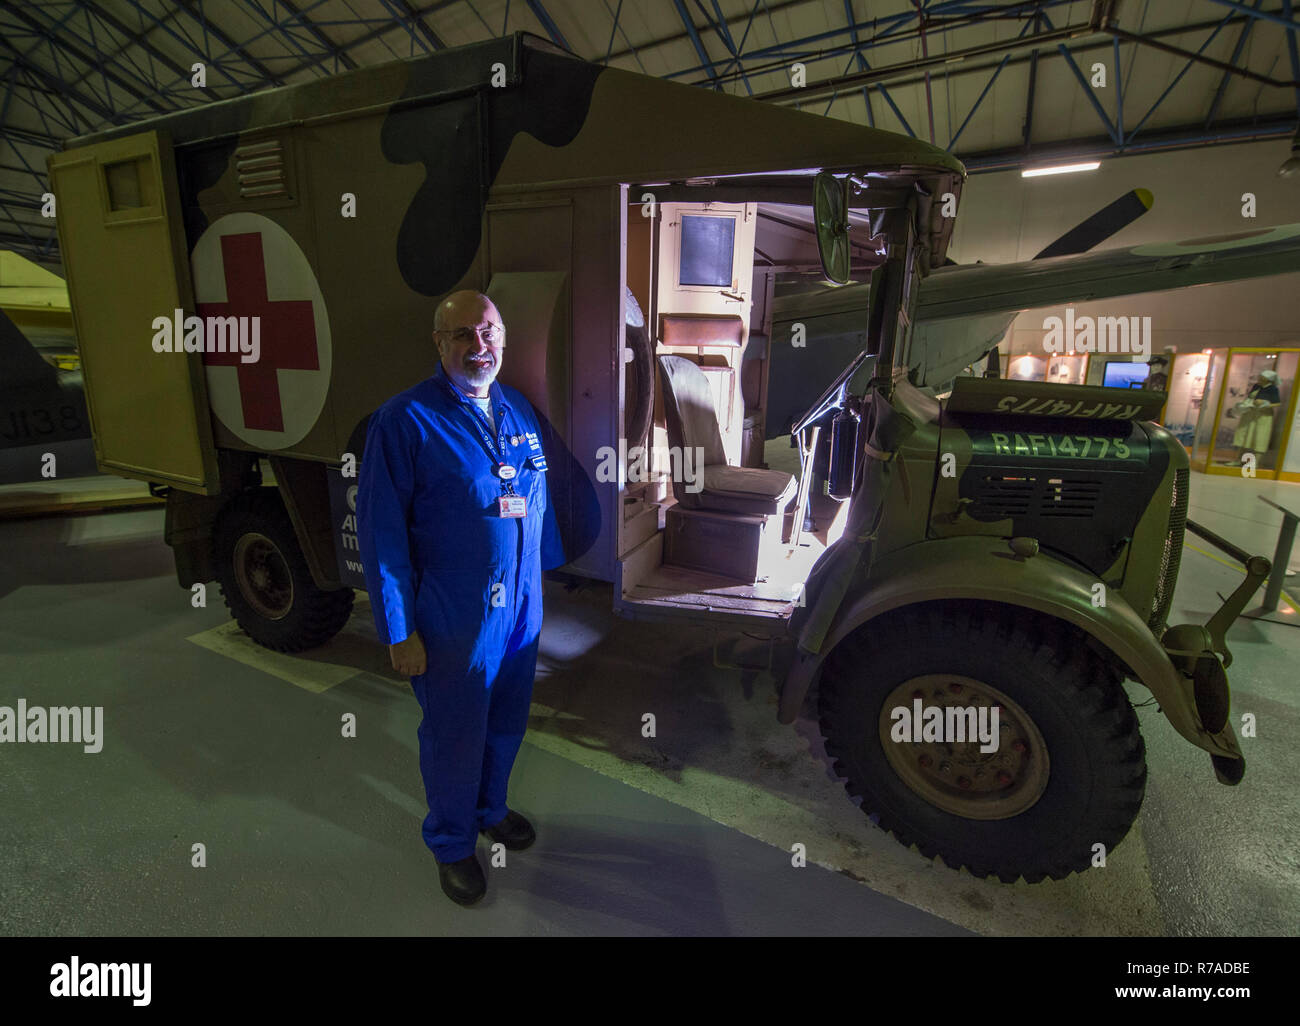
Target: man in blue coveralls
[{"x": 455, "y": 531}]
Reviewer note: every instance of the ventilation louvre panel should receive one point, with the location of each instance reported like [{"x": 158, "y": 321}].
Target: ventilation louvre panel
[
  {"x": 999, "y": 497},
  {"x": 260, "y": 167}
]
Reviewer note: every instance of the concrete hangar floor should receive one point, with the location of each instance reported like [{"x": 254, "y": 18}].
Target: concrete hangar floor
[{"x": 210, "y": 739}]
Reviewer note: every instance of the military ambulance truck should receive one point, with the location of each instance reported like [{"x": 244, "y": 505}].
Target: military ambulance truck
[{"x": 250, "y": 279}]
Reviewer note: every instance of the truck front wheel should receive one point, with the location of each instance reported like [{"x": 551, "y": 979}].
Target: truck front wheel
[
  {"x": 265, "y": 579},
  {"x": 1065, "y": 770}
]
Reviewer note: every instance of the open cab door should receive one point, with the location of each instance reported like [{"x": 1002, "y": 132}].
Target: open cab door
[{"x": 722, "y": 525}]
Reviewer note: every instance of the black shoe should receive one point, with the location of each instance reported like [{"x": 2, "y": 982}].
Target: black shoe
[
  {"x": 515, "y": 832},
  {"x": 463, "y": 882}
]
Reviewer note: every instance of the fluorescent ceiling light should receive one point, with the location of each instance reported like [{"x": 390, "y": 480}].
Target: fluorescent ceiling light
[{"x": 1060, "y": 169}]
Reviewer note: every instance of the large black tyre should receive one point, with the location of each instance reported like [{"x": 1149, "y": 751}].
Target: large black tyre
[
  {"x": 265, "y": 580},
  {"x": 1018, "y": 811}
]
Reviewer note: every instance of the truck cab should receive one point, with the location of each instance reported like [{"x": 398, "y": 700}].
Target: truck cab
[{"x": 707, "y": 528}]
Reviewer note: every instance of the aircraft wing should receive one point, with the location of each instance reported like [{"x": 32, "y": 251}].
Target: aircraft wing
[
  {"x": 939, "y": 350},
  {"x": 36, "y": 301},
  {"x": 990, "y": 288},
  {"x": 21, "y": 365},
  {"x": 964, "y": 311}
]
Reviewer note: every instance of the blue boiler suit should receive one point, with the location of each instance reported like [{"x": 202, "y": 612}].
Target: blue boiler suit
[{"x": 440, "y": 559}]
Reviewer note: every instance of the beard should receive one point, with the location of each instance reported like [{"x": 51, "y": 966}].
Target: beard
[{"x": 480, "y": 371}]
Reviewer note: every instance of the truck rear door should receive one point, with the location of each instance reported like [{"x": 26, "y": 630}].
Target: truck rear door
[{"x": 124, "y": 255}]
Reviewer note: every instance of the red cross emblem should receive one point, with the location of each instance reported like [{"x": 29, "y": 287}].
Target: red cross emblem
[{"x": 288, "y": 331}]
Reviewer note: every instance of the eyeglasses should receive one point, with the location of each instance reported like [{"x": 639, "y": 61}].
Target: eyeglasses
[{"x": 492, "y": 335}]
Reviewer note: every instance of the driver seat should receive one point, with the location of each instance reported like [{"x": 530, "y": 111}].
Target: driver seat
[{"x": 692, "y": 423}]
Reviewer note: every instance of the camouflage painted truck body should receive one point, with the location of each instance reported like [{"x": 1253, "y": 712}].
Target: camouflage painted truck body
[{"x": 457, "y": 181}]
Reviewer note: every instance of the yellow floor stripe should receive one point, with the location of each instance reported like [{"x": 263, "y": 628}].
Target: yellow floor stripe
[
  {"x": 354, "y": 650},
  {"x": 1286, "y": 596}
]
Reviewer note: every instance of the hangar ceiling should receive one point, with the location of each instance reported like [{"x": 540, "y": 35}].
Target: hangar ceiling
[{"x": 1000, "y": 83}]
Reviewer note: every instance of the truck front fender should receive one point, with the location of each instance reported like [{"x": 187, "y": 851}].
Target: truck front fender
[{"x": 984, "y": 568}]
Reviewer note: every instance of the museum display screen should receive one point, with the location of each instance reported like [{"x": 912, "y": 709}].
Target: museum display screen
[
  {"x": 708, "y": 244},
  {"x": 1123, "y": 374}
]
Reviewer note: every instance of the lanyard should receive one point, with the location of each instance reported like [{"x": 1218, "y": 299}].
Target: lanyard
[{"x": 485, "y": 438}]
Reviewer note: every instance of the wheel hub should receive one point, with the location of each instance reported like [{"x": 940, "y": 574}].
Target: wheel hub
[
  {"x": 263, "y": 576},
  {"x": 955, "y": 775}
]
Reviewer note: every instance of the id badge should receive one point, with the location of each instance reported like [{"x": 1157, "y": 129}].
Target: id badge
[{"x": 512, "y": 506}]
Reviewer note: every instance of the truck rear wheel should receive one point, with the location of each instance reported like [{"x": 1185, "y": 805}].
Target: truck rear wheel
[
  {"x": 265, "y": 579},
  {"x": 1069, "y": 769}
]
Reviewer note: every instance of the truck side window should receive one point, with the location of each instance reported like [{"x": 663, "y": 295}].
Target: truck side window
[
  {"x": 129, "y": 184},
  {"x": 708, "y": 244}
]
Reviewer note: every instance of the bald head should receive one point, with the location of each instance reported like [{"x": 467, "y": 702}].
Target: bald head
[
  {"x": 470, "y": 335},
  {"x": 465, "y": 308}
]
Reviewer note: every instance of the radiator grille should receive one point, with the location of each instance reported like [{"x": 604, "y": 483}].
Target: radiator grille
[{"x": 1172, "y": 555}]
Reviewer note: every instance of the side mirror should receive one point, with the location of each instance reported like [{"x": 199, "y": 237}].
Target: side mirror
[{"x": 831, "y": 219}]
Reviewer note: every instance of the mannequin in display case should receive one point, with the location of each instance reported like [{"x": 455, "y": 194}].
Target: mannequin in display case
[
  {"x": 1257, "y": 411},
  {"x": 1158, "y": 379}
]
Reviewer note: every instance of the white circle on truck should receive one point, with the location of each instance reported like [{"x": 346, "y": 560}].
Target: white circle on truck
[{"x": 257, "y": 296}]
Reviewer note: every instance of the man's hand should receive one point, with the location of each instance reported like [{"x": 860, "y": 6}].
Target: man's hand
[{"x": 409, "y": 657}]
